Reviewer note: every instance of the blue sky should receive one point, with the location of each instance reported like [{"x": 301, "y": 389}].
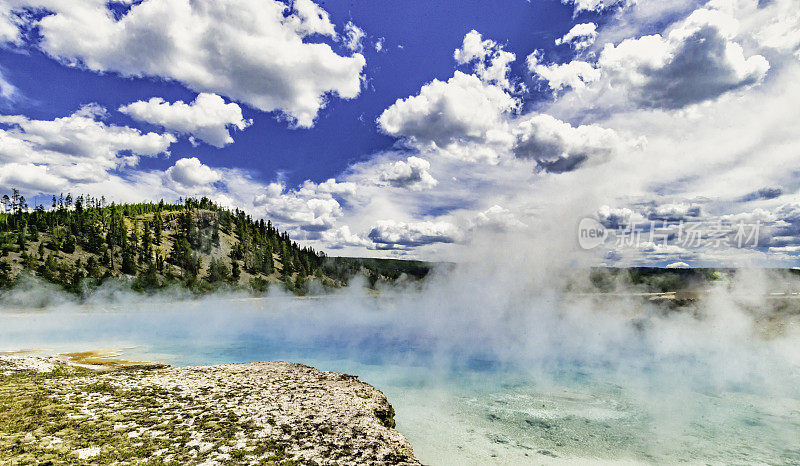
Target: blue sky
[
  {"x": 474, "y": 119},
  {"x": 418, "y": 48}
]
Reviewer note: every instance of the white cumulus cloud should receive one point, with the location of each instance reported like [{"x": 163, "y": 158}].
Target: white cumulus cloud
[
  {"x": 310, "y": 207},
  {"x": 191, "y": 173},
  {"x": 576, "y": 74},
  {"x": 464, "y": 107},
  {"x": 207, "y": 118},
  {"x": 498, "y": 218},
  {"x": 581, "y": 36},
  {"x": 77, "y": 148},
  {"x": 558, "y": 146},
  {"x": 491, "y": 62},
  {"x": 696, "y": 60},
  {"x": 412, "y": 174},
  {"x": 340, "y": 237},
  {"x": 252, "y": 51},
  {"x": 389, "y": 234},
  {"x": 678, "y": 265},
  {"x": 598, "y": 5}
]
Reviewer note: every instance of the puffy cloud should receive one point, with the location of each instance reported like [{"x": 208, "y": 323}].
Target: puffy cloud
[
  {"x": 207, "y": 118},
  {"x": 581, "y": 36},
  {"x": 252, "y": 51},
  {"x": 338, "y": 238},
  {"x": 310, "y": 207},
  {"x": 784, "y": 32},
  {"x": 9, "y": 30},
  {"x": 191, "y": 173},
  {"x": 464, "y": 107},
  {"x": 411, "y": 173},
  {"x": 757, "y": 215},
  {"x": 498, "y": 218},
  {"x": 683, "y": 232},
  {"x": 598, "y": 5},
  {"x": 353, "y": 36},
  {"x": 389, "y": 234},
  {"x": 30, "y": 177},
  {"x": 678, "y": 265},
  {"x": 697, "y": 61},
  {"x": 558, "y": 146},
  {"x": 789, "y": 213},
  {"x": 472, "y": 48},
  {"x": 576, "y": 74},
  {"x": 773, "y": 24},
  {"x": 309, "y": 18},
  {"x": 73, "y": 149},
  {"x": 673, "y": 212},
  {"x": 490, "y": 60},
  {"x": 328, "y": 187},
  {"x": 617, "y": 218},
  {"x": 469, "y": 119}
]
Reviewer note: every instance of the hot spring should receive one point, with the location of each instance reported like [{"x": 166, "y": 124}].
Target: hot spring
[{"x": 482, "y": 375}]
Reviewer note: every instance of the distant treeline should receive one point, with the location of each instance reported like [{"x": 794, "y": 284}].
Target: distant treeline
[
  {"x": 375, "y": 269},
  {"x": 656, "y": 279}
]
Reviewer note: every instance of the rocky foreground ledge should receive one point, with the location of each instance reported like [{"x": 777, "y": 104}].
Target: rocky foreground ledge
[{"x": 257, "y": 413}]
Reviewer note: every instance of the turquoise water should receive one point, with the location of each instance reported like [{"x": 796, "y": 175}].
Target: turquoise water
[{"x": 468, "y": 390}]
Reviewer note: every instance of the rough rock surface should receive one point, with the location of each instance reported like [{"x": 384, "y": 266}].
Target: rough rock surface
[{"x": 256, "y": 413}]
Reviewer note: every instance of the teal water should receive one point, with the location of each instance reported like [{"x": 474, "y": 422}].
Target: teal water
[{"x": 472, "y": 392}]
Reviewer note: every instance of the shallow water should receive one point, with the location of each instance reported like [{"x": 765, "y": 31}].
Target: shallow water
[{"x": 457, "y": 402}]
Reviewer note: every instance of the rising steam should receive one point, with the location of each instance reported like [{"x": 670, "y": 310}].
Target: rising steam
[{"x": 493, "y": 313}]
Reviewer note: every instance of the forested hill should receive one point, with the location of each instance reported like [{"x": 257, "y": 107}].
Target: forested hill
[{"x": 81, "y": 242}]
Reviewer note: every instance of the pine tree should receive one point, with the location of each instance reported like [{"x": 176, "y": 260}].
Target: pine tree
[
  {"x": 129, "y": 258},
  {"x": 77, "y": 277},
  {"x": 235, "y": 272},
  {"x": 147, "y": 279},
  {"x": 146, "y": 255},
  {"x": 181, "y": 253},
  {"x": 158, "y": 226},
  {"x": 92, "y": 267},
  {"x": 267, "y": 262},
  {"x": 300, "y": 284},
  {"x": 6, "y": 280},
  {"x": 287, "y": 271},
  {"x": 217, "y": 271},
  {"x": 22, "y": 243},
  {"x": 215, "y": 233},
  {"x": 68, "y": 246},
  {"x": 49, "y": 268}
]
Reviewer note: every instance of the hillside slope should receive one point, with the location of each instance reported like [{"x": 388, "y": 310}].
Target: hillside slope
[{"x": 80, "y": 243}]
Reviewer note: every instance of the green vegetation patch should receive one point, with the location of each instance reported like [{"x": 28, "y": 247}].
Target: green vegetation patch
[{"x": 81, "y": 242}]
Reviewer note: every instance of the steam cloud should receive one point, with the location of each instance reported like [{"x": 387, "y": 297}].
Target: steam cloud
[{"x": 520, "y": 313}]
